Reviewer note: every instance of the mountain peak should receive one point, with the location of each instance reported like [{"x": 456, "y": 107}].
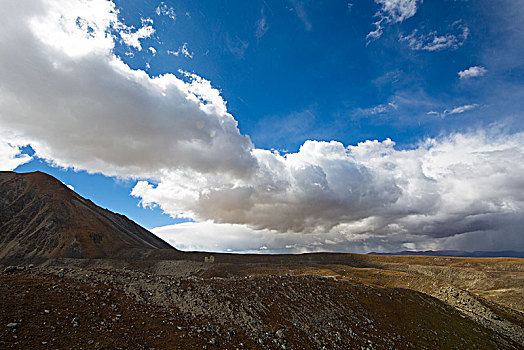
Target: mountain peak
[{"x": 40, "y": 217}]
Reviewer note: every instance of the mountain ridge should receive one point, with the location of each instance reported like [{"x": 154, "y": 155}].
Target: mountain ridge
[{"x": 40, "y": 217}]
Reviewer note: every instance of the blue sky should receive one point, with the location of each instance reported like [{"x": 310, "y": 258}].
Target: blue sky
[
  {"x": 215, "y": 133},
  {"x": 320, "y": 78}
]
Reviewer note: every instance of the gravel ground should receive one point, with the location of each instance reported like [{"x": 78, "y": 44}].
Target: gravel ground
[{"x": 186, "y": 304}]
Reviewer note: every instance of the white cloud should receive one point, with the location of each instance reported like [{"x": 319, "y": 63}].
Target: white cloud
[
  {"x": 369, "y": 195},
  {"x": 301, "y": 13},
  {"x": 236, "y": 46},
  {"x": 132, "y": 39},
  {"x": 80, "y": 106},
  {"x": 208, "y": 236},
  {"x": 212, "y": 237},
  {"x": 146, "y": 20},
  {"x": 461, "y": 109},
  {"x": 11, "y": 156},
  {"x": 455, "y": 110},
  {"x": 261, "y": 26},
  {"x": 392, "y": 11},
  {"x": 71, "y": 187},
  {"x": 472, "y": 72},
  {"x": 72, "y": 36},
  {"x": 165, "y": 10},
  {"x": 152, "y": 49},
  {"x": 184, "y": 50},
  {"x": 378, "y": 109},
  {"x": 434, "y": 42}
]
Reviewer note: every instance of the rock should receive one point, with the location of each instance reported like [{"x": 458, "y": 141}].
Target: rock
[
  {"x": 280, "y": 333},
  {"x": 13, "y": 325},
  {"x": 10, "y": 269}
]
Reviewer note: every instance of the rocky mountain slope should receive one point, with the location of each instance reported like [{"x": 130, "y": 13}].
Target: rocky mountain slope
[{"x": 42, "y": 218}]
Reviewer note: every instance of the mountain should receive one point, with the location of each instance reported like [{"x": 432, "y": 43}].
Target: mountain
[
  {"x": 40, "y": 217},
  {"x": 458, "y": 253}
]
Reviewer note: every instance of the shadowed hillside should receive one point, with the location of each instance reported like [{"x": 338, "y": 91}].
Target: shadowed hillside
[{"x": 42, "y": 218}]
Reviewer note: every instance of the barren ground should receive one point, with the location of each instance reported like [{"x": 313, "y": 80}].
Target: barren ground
[{"x": 314, "y": 301}]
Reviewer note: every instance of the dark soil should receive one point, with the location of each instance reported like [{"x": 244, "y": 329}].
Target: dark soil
[{"x": 71, "y": 307}]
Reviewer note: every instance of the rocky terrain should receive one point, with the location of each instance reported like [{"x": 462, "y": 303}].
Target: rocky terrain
[
  {"x": 68, "y": 303},
  {"x": 130, "y": 290},
  {"x": 40, "y": 218}
]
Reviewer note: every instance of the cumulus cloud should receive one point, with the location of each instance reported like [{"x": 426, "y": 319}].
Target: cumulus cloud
[
  {"x": 11, "y": 156},
  {"x": 392, "y": 11},
  {"x": 472, "y": 72},
  {"x": 365, "y": 195},
  {"x": 81, "y": 106},
  {"x": 78, "y": 105},
  {"x": 457, "y": 192},
  {"x": 432, "y": 41},
  {"x": 132, "y": 38}
]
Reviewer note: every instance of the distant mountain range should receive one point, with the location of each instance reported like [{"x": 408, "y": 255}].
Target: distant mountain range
[
  {"x": 40, "y": 217},
  {"x": 459, "y": 253}
]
